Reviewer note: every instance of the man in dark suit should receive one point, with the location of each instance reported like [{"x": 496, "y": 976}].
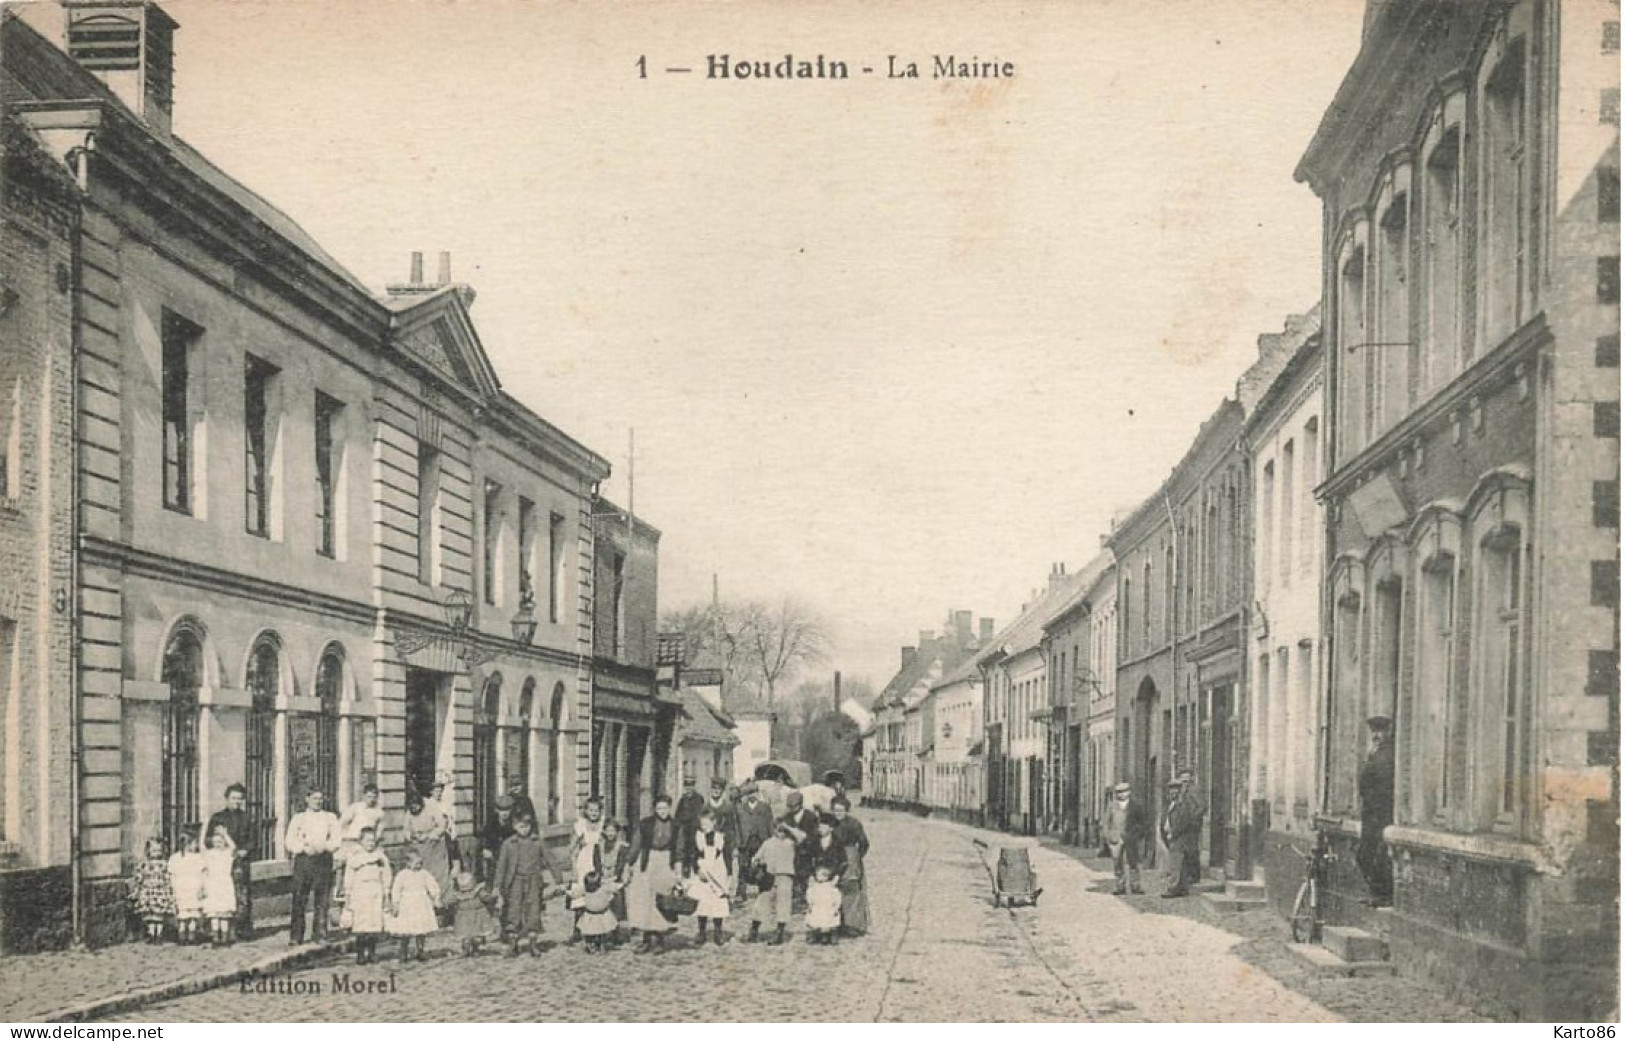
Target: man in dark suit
[
  {"x": 240, "y": 826},
  {"x": 755, "y": 817},
  {"x": 723, "y": 810},
  {"x": 687, "y": 815},
  {"x": 1376, "y": 784}
]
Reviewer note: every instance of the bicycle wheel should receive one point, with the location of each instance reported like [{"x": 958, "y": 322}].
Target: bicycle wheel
[{"x": 1303, "y": 914}]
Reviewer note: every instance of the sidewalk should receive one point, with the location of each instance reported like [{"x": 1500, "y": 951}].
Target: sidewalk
[
  {"x": 67, "y": 986},
  {"x": 1263, "y": 937}
]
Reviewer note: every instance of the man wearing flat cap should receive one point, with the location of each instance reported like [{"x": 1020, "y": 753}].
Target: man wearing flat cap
[
  {"x": 496, "y": 831},
  {"x": 1377, "y": 812}
]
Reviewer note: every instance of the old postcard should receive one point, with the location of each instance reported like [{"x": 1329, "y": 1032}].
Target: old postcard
[{"x": 1087, "y": 511}]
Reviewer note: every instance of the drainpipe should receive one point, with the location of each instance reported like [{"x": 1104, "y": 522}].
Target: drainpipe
[
  {"x": 1173, "y": 611},
  {"x": 79, "y": 162}
]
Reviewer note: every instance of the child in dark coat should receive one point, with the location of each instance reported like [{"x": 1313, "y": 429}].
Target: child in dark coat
[{"x": 520, "y": 867}]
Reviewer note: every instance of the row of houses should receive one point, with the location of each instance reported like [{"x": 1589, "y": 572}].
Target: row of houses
[
  {"x": 1408, "y": 507},
  {"x": 262, "y": 525}
]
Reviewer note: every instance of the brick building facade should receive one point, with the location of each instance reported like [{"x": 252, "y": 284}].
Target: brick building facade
[{"x": 1470, "y": 177}]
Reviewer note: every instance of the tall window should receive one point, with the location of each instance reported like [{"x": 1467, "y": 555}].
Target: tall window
[
  {"x": 1311, "y": 477},
  {"x": 428, "y": 522},
  {"x": 179, "y": 335},
  {"x": 1289, "y": 502},
  {"x": 1354, "y": 351},
  {"x": 618, "y": 606},
  {"x": 493, "y": 535},
  {"x": 1436, "y": 719},
  {"x": 1385, "y": 643},
  {"x": 183, "y": 673},
  {"x": 520, "y": 767},
  {"x": 562, "y": 768},
  {"x": 1266, "y": 525},
  {"x": 327, "y": 473},
  {"x": 1145, "y": 609},
  {"x": 257, "y": 377},
  {"x": 485, "y": 749},
  {"x": 1441, "y": 260},
  {"x": 1501, "y": 681},
  {"x": 259, "y": 773},
  {"x": 555, "y": 567},
  {"x": 10, "y": 438},
  {"x": 1506, "y": 193},
  {"x": 1392, "y": 358},
  {"x": 330, "y": 695},
  {"x": 527, "y": 547}
]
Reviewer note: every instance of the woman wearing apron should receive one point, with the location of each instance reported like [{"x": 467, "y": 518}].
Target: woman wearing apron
[
  {"x": 654, "y": 871},
  {"x": 854, "y": 882},
  {"x": 426, "y": 829}
]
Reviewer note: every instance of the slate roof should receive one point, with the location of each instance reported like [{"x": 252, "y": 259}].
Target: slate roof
[{"x": 704, "y": 723}]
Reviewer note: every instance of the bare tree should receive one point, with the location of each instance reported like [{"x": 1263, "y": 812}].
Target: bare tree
[{"x": 780, "y": 638}]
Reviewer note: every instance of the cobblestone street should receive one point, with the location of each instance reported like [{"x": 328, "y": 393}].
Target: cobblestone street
[{"x": 940, "y": 951}]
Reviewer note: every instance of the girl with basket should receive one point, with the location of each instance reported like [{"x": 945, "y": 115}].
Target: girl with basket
[{"x": 655, "y": 863}]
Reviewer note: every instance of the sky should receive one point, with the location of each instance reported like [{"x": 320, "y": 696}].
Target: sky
[{"x": 890, "y": 346}]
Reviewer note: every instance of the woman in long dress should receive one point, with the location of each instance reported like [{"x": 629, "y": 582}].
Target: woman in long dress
[
  {"x": 854, "y": 881},
  {"x": 711, "y": 876},
  {"x": 426, "y": 830},
  {"x": 655, "y": 864}
]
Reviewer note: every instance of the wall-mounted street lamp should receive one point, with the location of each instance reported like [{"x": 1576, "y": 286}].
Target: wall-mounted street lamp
[{"x": 524, "y": 620}]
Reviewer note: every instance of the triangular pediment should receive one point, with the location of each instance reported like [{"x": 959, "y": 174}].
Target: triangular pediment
[{"x": 437, "y": 331}]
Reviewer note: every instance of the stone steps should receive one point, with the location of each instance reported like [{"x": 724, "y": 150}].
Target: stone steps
[
  {"x": 1353, "y": 945},
  {"x": 1230, "y": 903},
  {"x": 1323, "y": 962}
]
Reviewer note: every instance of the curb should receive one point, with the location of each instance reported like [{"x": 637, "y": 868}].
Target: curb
[{"x": 131, "y": 1000}]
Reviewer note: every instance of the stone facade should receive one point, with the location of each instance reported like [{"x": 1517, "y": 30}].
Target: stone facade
[
  {"x": 309, "y": 520},
  {"x": 1471, "y": 279}
]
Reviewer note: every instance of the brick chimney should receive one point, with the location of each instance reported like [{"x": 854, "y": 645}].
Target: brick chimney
[
  {"x": 908, "y": 657},
  {"x": 130, "y": 46},
  {"x": 985, "y": 633}
]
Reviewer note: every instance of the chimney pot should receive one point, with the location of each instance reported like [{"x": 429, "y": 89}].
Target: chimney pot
[
  {"x": 445, "y": 268},
  {"x": 416, "y": 276}
]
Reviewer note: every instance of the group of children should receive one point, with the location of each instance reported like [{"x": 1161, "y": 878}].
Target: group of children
[
  {"x": 193, "y": 888},
  {"x": 196, "y": 885}
]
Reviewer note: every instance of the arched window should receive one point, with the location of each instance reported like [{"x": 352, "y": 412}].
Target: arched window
[
  {"x": 1354, "y": 352},
  {"x": 183, "y": 672},
  {"x": 1430, "y": 742},
  {"x": 259, "y": 767},
  {"x": 1440, "y": 218},
  {"x": 1499, "y": 694},
  {"x": 1395, "y": 355},
  {"x": 1504, "y": 195},
  {"x": 485, "y": 750},
  {"x": 517, "y": 761},
  {"x": 330, "y": 693},
  {"x": 558, "y": 759}
]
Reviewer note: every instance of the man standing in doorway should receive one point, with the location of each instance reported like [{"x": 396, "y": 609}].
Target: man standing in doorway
[
  {"x": 1377, "y": 812},
  {"x": 234, "y": 818}
]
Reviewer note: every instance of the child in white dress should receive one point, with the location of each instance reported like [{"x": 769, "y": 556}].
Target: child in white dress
[
  {"x": 415, "y": 895},
  {"x": 219, "y": 887},
  {"x": 588, "y": 832},
  {"x": 186, "y": 880},
  {"x": 823, "y": 907}
]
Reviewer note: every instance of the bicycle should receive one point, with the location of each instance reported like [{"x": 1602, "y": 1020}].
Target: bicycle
[{"x": 1306, "y": 908}]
